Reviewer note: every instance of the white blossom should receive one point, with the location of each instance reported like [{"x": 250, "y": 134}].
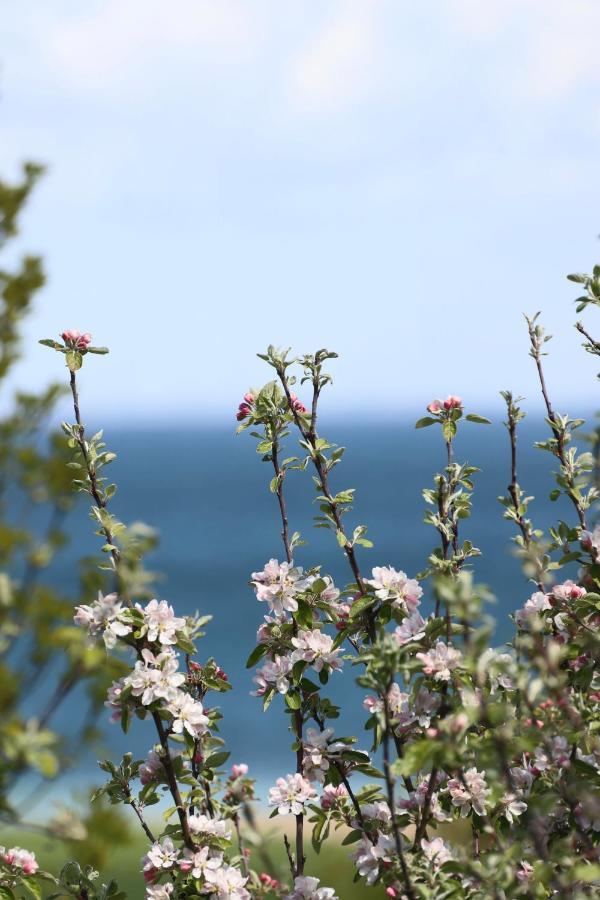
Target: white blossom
[
  {"x": 436, "y": 851},
  {"x": 188, "y": 715},
  {"x": 537, "y": 603},
  {"x": 227, "y": 883},
  {"x": 200, "y": 824},
  {"x": 316, "y": 648},
  {"x": 440, "y": 661},
  {"x": 290, "y": 794},
  {"x": 411, "y": 629},
  {"x": 470, "y": 795},
  {"x": 278, "y": 584},
  {"x": 199, "y": 862},
  {"x": 368, "y": 857},
  {"x": 513, "y": 806},
  {"x": 161, "y": 623},
  {"x": 155, "y": 677},
  {"x": 317, "y": 747},
  {"x": 161, "y": 855},
  {"x": 274, "y": 674},
  {"x": 103, "y": 619},
  {"x": 307, "y": 888},
  {"x": 159, "y": 891},
  {"x": 405, "y": 593}
]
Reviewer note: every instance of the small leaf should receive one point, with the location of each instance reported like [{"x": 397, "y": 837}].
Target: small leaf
[
  {"x": 425, "y": 422},
  {"x": 479, "y": 420},
  {"x": 74, "y": 360}
]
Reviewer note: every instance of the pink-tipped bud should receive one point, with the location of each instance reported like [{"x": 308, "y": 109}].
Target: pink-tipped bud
[
  {"x": 391, "y": 892},
  {"x": 198, "y": 758},
  {"x": 239, "y": 770},
  {"x": 452, "y": 402},
  {"x": 297, "y": 404},
  {"x": 150, "y": 874},
  {"x": 84, "y": 340},
  {"x": 243, "y": 412},
  {"x": 249, "y": 398},
  {"x": 435, "y": 407}
]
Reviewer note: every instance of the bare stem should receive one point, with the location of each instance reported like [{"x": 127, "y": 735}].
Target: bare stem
[
  {"x": 557, "y": 431},
  {"x": 389, "y": 781}
]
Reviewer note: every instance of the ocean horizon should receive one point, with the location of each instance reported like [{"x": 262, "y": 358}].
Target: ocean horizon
[{"x": 206, "y": 492}]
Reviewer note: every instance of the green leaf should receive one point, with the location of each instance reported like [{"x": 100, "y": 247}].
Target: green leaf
[
  {"x": 479, "y": 420},
  {"x": 425, "y": 422},
  {"x": 217, "y": 759},
  {"x": 101, "y": 351},
  {"x": 256, "y": 655},
  {"x": 48, "y": 342},
  {"x": 74, "y": 360},
  {"x": 32, "y": 887},
  {"x": 293, "y": 700}
]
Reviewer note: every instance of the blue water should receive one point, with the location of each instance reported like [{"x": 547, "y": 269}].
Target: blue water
[{"x": 206, "y": 491}]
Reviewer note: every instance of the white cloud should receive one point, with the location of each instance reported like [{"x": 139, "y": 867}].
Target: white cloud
[
  {"x": 339, "y": 65},
  {"x": 101, "y": 49}
]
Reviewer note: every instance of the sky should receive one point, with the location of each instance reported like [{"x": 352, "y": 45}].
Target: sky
[{"x": 396, "y": 181}]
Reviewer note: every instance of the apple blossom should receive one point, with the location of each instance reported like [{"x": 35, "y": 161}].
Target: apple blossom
[
  {"x": 537, "y": 603},
  {"x": 411, "y": 629},
  {"x": 188, "y": 715},
  {"x": 436, "y": 851},
  {"x": 470, "y": 792},
  {"x": 568, "y": 591},
  {"x": 161, "y": 855},
  {"x": 440, "y": 661},
  {"x": 159, "y": 891},
  {"x": 318, "y": 747},
  {"x": 403, "y": 592},
  {"x": 155, "y": 677},
  {"x": 198, "y": 862},
  {"x": 103, "y": 618},
  {"x": 207, "y": 825},
  {"x": 226, "y": 883},
  {"x": 19, "y": 859},
  {"x": 160, "y": 622},
  {"x": 333, "y": 796},
  {"x": 75, "y": 339},
  {"x": 274, "y": 674},
  {"x": 307, "y": 888},
  {"x": 368, "y": 857},
  {"x": 316, "y": 648},
  {"x": 290, "y": 794},
  {"x": 278, "y": 584}
]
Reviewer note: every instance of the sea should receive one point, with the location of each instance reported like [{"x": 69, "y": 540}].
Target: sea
[{"x": 206, "y": 491}]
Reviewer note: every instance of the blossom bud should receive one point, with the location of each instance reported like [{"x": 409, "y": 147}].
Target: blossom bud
[
  {"x": 452, "y": 402},
  {"x": 435, "y": 407},
  {"x": 297, "y": 404},
  {"x": 239, "y": 770},
  {"x": 391, "y": 892}
]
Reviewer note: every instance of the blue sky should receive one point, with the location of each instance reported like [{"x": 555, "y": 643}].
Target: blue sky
[{"x": 398, "y": 181}]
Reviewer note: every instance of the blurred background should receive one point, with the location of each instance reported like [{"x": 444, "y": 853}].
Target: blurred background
[{"x": 398, "y": 182}]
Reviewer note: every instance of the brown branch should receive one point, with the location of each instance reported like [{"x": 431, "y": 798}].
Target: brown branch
[
  {"x": 557, "y": 431},
  {"x": 389, "y": 781}
]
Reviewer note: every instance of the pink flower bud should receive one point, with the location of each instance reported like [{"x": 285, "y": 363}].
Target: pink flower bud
[
  {"x": 150, "y": 874},
  {"x": 435, "y": 407},
  {"x": 198, "y": 758},
  {"x": 249, "y": 398},
  {"x": 452, "y": 402},
  {"x": 239, "y": 770},
  {"x": 243, "y": 412},
  {"x": 84, "y": 340},
  {"x": 297, "y": 404},
  {"x": 391, "y": 892},
  {"x": 186, "y": 865}
]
